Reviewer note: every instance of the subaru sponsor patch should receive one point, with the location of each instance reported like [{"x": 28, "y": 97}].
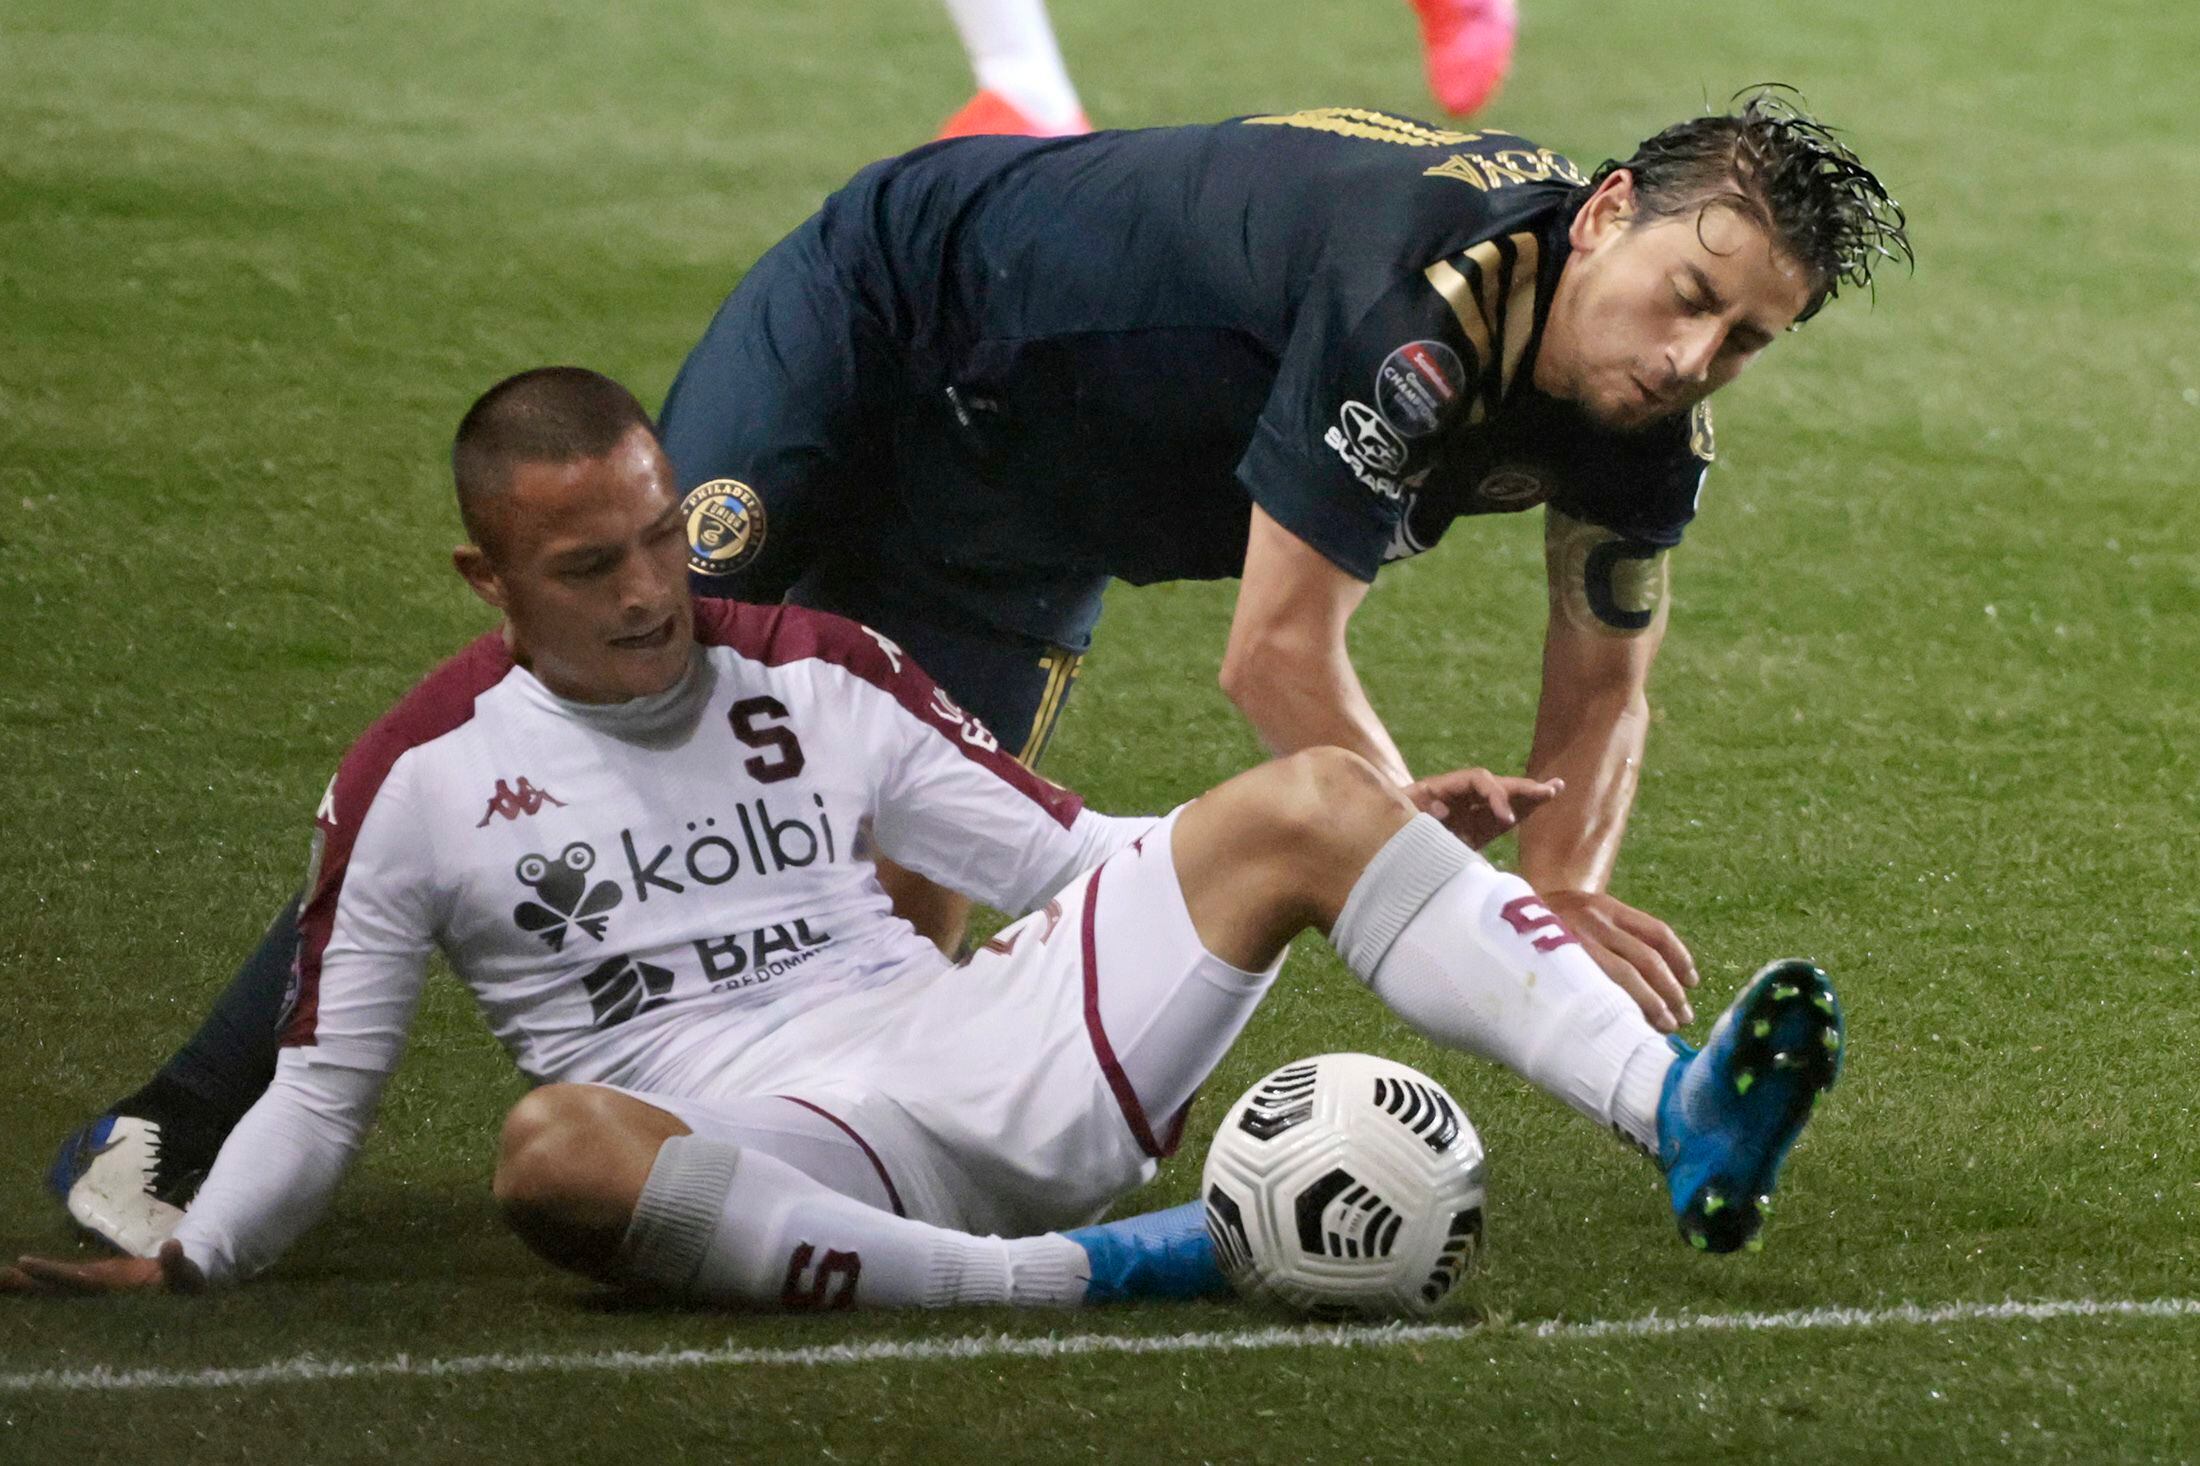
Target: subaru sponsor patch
[{"x": 1374, "y": 453}]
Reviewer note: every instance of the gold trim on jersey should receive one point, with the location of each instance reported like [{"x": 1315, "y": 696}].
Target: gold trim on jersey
[
  {"x": 1508, "y": 166},
  {"x": 1459, "y": 293},
  {"x": 1491, "y": 289},
  {"x": 1062, "y": 669},
  {"x": 1519, "y": 307},
  {"x": 1361, "y": 122}
]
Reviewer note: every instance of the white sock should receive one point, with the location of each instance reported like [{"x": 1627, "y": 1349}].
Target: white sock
[
  {"x": 1012, "y": 49},
  {"x": 1468, "y": 956},
  {"x": 720, "y": 1223}
]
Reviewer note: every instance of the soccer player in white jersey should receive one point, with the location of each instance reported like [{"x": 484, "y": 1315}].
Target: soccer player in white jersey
[{"x": 640, "y": 830}]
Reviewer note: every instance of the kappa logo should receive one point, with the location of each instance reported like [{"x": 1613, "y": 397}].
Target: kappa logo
[
  {"x": 512, "y": 803},
  {"x": 622, "y": 987},
  {"x": 568, "y": 900},
  {"x": 892, "y": 649}
]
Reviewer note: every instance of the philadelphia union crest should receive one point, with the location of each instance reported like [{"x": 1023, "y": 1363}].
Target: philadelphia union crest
[{"x": 725, "y": 526}]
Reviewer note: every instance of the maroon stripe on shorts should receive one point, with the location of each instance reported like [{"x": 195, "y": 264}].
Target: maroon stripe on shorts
[
  {"x": 1126, "y": 1098},
  {"x": 876, "y": 1164}
]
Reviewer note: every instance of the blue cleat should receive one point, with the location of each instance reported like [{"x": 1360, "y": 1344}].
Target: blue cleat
[
  {"x": 1730, "y": 1113},
  {"x": 79, "y": 1148},
  {"x": 1160, "y": 1254}
]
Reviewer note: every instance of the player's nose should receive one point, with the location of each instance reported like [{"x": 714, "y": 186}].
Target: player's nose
[
  {"x": 646, "y": 590},
  {"x": 1690, "y": 353}
]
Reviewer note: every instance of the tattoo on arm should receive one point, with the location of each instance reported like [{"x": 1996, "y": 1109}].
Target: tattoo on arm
[{"x": 1602, "y": 581}]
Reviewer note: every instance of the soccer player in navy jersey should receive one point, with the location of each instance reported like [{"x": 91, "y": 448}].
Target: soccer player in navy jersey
[
  {"x": 989, "y": 377},
  {"x": 993, "y": 374}
]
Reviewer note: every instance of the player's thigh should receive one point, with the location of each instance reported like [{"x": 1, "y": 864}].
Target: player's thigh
[
  {"x": 834, "y": 1138},
  {"x": 1165, "y": 1007},
  {"x": 771, "y": 423},
  {"x": 1054, "y": 1068}
]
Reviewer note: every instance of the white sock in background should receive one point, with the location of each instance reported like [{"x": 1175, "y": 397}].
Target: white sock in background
[
  {"x": 1426, "y": 927},
  {"x": 721, "y": 1223},
  {"x": 1012, "y": 49}
]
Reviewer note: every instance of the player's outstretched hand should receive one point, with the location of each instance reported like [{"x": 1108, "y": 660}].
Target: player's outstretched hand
[
  {"x": 171, "y": 1271},
  {"x": 1636, "y": 950},
  {"x": 1477, "y": 805}
]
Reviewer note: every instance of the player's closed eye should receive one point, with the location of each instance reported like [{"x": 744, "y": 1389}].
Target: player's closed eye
[{"x": 592, "y": 568}]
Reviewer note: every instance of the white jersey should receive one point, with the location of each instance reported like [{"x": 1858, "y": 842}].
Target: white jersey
[{"x": 621, "y": 886}]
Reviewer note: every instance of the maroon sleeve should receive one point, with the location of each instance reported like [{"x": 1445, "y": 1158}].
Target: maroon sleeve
[{"x": 440, "y": 702}]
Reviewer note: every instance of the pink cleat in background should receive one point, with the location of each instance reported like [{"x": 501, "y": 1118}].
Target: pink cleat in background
[
  {"x": 1470, "y": 47},
  {"x": 991, "y": 113}
]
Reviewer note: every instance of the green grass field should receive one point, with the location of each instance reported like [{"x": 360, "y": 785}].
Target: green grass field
[{"x": 1928, "y": 713}]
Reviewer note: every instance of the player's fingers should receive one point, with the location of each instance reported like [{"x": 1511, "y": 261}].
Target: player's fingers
[
  {"x": 1650, "y": 967},
  {"x": 1497, "y": 800},
  {"x": 15, "y": 1280},
  {"x": 1666, "y": 941},
  {"x": 1530, "y": 795},
  {"x": 1630, "y": 982}
]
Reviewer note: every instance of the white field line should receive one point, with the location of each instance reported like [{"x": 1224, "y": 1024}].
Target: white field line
[{"x": 308, "y": 1370}]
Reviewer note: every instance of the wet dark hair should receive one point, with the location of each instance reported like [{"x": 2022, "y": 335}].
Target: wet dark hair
[
  {"x": 1773, "y": 162},
  {"x": 558, "y": 414}
]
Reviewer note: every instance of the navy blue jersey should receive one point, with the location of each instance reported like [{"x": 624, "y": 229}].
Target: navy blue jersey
[{"x": 1109, "y": 347}]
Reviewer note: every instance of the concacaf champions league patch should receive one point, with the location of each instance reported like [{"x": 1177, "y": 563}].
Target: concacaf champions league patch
[{"x": 725, "y": 526}]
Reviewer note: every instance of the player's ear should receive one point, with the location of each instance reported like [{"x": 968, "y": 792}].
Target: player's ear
[
  {"x": 1608, "y": 209},
  {"x": 480, "y": 573}
]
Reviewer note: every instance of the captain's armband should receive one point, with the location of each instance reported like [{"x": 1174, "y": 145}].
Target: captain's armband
[{"x": 1602, "y": 581}]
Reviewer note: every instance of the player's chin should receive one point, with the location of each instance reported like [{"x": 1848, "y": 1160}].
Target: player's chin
[
  {"x": 1632, "y": 413},
  {"x": 652, "y": 660}
]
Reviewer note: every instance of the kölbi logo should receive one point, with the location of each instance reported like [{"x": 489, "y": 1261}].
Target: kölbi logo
[
  {"x": 713, "y": 857},
  {"x": 715, "y": 852}
]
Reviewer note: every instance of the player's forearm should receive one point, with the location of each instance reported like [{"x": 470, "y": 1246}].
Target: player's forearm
[
  {"x": 1596, "y": 746},
  {"x": 1298, "y": 698},
  {"x": 279, "y": 1167}
]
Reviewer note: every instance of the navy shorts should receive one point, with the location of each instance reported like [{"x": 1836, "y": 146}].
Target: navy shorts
[{"x": 790, "y": 427}]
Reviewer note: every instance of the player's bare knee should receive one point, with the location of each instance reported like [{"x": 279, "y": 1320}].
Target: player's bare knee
[
  {"x": 543, "y": 1149},
  {"x": 1324, "y": 796}
]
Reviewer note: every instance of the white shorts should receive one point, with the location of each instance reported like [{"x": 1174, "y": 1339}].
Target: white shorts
[{"x": 1025, "y": 1089}]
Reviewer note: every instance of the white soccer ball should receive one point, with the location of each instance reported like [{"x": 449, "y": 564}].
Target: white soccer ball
[{"x": 1346, "y": 1185}]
